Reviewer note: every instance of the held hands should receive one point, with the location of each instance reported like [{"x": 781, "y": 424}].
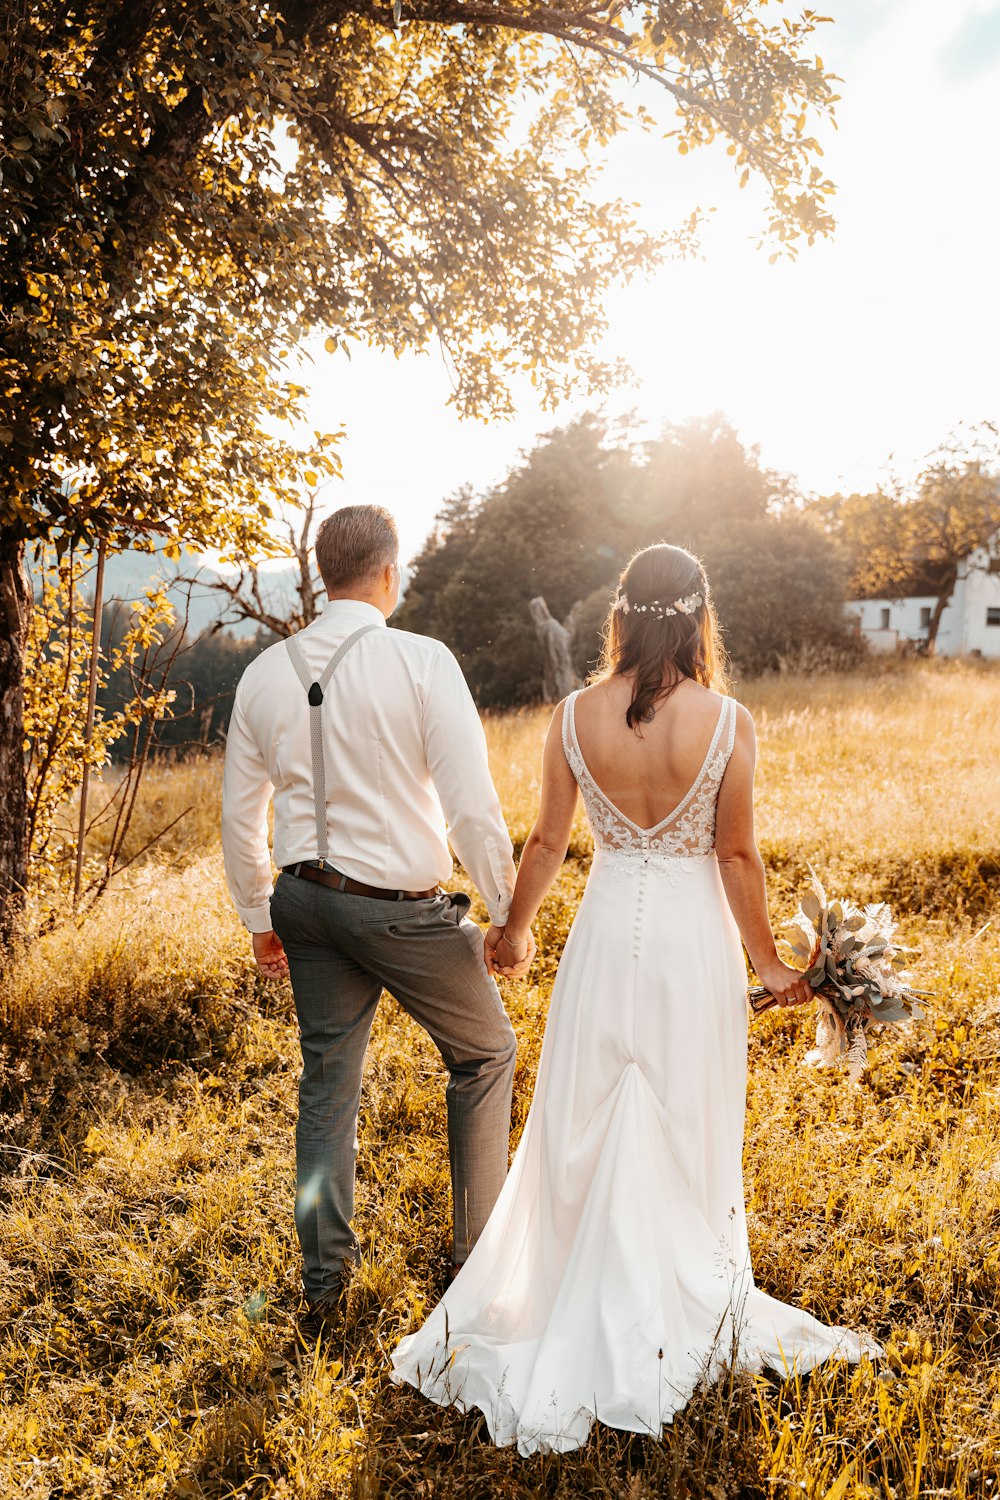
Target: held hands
[
  {"x": 788, "y": 986},
  {"x": 270, "y": 955},
  {"x": 508, "y": 955}
]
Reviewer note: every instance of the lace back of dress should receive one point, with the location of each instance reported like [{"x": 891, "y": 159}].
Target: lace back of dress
[{"x": 688, "y": 830}]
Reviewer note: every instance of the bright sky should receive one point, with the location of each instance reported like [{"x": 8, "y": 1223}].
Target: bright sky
[{"x": 877, "y": 343}]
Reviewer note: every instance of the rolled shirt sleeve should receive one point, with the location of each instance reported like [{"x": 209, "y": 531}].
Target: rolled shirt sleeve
[
  {"x": 455, "y": 747},
  {"x": 246, "y": 792}
]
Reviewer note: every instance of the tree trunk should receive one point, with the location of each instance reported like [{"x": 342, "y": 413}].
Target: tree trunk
[
  {"x": 940, "y": 605},
  {"x": 15, "y": 613},
  {"x": 559, "y": 676}
]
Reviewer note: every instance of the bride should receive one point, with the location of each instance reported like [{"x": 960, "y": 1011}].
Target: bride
[{"x": 614, "y": 1276}]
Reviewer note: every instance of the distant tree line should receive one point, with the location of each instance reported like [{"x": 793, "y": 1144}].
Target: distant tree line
[
  {"x": 567, "y": 519},
  {"x": 202, "y": 673}
]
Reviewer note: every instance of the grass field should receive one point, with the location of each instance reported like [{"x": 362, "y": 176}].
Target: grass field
[{"x": 149, "y": 1268}]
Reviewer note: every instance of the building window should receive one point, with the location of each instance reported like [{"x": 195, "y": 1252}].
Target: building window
[
  {"x": 993, "y": 614},
  {"x": 884, "y": 619},
  {"x": 925, "y": 617}
]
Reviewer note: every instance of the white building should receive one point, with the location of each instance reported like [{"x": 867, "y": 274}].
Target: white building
[{"x": 969, "y": 625}]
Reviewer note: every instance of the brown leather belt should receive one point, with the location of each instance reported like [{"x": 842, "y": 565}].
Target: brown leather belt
[{"x": 338, "y": 882}]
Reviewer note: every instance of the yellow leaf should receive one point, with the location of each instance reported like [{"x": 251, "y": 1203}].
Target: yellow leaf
[
  {"x": 838, "y": 1490},
  {"x": 330, "y": 346},
  {"x": 311, "y": 478}
]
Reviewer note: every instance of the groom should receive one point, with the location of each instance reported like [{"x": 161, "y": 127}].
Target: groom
[{"x": 371, "y": 745}]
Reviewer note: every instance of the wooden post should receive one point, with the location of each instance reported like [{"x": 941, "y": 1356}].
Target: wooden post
[{"x": 88, "y": 733}]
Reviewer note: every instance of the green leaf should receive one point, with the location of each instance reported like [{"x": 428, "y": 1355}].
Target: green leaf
[
  {"x": 811, "y": 906},
  {"x": 255, "y": 1307}
]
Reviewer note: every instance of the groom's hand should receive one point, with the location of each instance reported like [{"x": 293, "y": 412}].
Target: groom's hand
[
  {"x": 493, "y": 936},
  {"x": 270, "y": 955}
]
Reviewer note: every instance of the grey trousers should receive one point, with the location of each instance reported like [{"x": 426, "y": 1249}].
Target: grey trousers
[{"x": 343, "y": 950}]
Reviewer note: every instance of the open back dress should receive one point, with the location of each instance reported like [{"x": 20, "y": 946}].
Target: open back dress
[{"x": 614, "y": 1273}]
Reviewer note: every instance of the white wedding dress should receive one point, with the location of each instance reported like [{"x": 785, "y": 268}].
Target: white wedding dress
[{"x": 614, "y": 1273}]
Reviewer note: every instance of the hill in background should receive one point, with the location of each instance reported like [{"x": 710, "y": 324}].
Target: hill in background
[{"x": 129, "y": 574}]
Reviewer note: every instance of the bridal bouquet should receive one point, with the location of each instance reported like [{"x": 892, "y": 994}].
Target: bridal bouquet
[{"x": 859, "y": 973}]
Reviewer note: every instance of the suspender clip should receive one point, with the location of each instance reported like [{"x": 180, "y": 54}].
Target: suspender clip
[{"x": 315, "y": 695}]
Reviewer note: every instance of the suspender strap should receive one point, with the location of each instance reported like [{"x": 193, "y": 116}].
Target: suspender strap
[{"x": 315, "y": 692}]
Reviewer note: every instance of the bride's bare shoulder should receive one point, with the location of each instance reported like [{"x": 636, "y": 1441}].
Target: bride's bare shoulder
[
  {"x": 744, "y": 718},
  {"x": 604, "y": 690},
  {"x": 602, "y": 701}
]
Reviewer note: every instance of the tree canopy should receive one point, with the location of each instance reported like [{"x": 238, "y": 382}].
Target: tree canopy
[
  {"x": 569, "y": 516},
  {"x": 190, "y": 188},
  {"x": 914, "y": 538}
]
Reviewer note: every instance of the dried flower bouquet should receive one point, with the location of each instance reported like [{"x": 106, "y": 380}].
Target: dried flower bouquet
[{"x": 858, "y": 970}]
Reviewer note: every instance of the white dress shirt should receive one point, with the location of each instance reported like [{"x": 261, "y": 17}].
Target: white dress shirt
[{"x": 406, "y": 768}]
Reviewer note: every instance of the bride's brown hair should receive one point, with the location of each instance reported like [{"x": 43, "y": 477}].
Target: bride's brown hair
[{"x": 657, "y": 650}]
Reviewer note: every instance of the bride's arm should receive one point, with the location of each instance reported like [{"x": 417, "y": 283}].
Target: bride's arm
[
  {"x": 743, "y": 870},
  {"x": 545, "y": 848}
]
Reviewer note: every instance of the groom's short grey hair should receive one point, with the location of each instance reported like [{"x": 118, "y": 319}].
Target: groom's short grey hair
[{"x": 354, "y": 545}]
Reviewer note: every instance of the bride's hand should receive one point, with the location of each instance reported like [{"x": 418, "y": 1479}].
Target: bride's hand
[
  {"x": 512, "y": 956},
  {"x": 788, "y": 986}
]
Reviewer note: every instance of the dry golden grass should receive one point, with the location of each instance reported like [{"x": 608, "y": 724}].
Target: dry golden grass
[
  {"x": 148, "y": 1256},
  {"x": 887, "y": 778},
  {"x": 176, "y": 817}
]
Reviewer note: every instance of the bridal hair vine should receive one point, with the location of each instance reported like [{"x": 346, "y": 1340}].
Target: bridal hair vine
[{"x": 685, "y": 606}]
